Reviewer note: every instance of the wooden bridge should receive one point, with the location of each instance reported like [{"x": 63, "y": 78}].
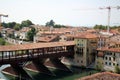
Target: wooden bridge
[{"x": 18, "y": 55}]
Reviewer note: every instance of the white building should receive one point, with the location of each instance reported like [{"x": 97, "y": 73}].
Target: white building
[{"x": 108, "y": 58}]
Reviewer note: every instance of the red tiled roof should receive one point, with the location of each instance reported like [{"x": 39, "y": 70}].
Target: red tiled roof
[
  {"x": 86, "y": 35},
  {"x": 102, "y": 76},
  {"x": 47, "y": 38},
  {"x": 109, "y": 49},
  {"x": 35, "y": 45}
]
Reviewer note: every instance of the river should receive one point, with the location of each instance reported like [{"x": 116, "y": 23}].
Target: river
[{"x": 59, "y": 74}]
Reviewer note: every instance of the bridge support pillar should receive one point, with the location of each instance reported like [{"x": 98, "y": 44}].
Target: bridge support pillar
[
  {"x": 59, "y": 65},
  {"x": 41, "y": 68},
  {"x": 22, "y": 74}
]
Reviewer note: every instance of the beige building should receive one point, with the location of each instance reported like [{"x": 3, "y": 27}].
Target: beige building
[{"x": 85, "y": 49}]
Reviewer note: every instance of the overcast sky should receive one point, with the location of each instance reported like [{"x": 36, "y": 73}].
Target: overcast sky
[{"x": 66, "y": 12}]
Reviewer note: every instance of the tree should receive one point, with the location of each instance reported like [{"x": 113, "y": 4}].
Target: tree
[
  {"x": 51, "y": 23},
  {"x": 100, "y": 27},
  {"x": 17, "y": 27},
  {"x": 26, "y": 23},
  {"x": 117, "y": 69},
  {"x": 4, "y": 24},
  {"x": 99, "y": 66},
  {"x": 30, "y": 34},
  {"x": 9, "y": 25},
  {"x": 59, "y": 26},
  {"x": 2, "y": 41}
]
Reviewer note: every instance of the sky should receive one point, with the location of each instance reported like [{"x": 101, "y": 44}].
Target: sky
[{"x": 65, "y": 12}]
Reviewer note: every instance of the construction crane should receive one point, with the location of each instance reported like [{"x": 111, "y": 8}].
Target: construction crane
[
  {"x": 109, "y": 14},
  {"x": 1, "y": 16}
]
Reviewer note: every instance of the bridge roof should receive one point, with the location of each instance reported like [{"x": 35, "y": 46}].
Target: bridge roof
[{"x": 35, "y": 45}]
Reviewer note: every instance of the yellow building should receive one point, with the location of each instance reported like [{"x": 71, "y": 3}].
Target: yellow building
[{"x": 85, "y": 49}]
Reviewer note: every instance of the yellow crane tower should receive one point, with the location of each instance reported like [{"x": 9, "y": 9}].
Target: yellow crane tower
[{"x": 1, "y": 16}]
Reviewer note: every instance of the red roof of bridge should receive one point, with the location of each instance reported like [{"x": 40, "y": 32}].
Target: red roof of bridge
[{"x": 35, "y": 45}]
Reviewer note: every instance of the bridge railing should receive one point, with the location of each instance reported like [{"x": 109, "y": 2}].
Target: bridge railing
[{"x": 33, "y": 53}]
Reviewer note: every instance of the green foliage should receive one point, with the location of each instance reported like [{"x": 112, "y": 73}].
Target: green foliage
[
  {"x": 100, "y": 27},
  {"x": 2, "y": 41},
  {"x": 117, "y": 69},
  {"x": 115, "y": 27},
  {"x": 59, "y": 26},
  {"x": 99, "y": 66},
  {"x": 17, "y": 26},
  {"x": 9, "y": 25},
  {"x": 30, "y": 34},
  {"x": 4, "y": 25},
  {"x": 26, "y": 23},
  {"x": 51, "y": 23}
]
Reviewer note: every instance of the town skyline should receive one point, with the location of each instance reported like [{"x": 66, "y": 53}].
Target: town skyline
[{"x": 73, "y": 12}]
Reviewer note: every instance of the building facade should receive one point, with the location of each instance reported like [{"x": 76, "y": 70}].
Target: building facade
[
  {"x": 85, "y": 49},
  {"x": 108, "y": 58}
]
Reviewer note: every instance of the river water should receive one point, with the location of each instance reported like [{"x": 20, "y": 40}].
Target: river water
[{"x": 59, "y": 74}]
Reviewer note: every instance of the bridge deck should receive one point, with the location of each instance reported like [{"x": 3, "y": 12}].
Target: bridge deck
[{"x": 35, "y": 46}]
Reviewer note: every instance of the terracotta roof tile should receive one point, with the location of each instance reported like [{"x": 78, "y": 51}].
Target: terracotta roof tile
[
  {"x": 109, "y": 49},
  {"x": 47, "y": 38},
  {"x": 35, "y": 45},
  {"x": 102, "y": 76},
  {"x": 86, "y": 35}
]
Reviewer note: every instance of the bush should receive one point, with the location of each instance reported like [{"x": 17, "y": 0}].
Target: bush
[
  {"x": 2, "y": 41},
  {"x": 117, "y": 69}
]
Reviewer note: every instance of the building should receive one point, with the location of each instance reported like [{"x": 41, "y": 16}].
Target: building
[
  {"x": 23, "y": 33},
  {"x": 85, "y": 48},
  {"x": 7, "y": 32},
  {"x": 67, "y": 37},
  {"x": 47, "y": 38},
  {"x": 108, "y": 58}
]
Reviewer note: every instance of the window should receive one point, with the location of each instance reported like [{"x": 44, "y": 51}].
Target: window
[
  {"x": 113, "y": 58},
  {"x": 117, "y": 64},
  {"x": 81, "y": 45},
  {"x": 110, "y": 63},
  {"x": 106, "y": 58},
  {"x": 113, "y": 64},
  {"x": 105, "y": 63},
  {"x": 110, "y": 53},
  {"x": 81, "y": 61},
  {"x": 109, "y": 58},
  {"x": 113, "y": 54},
  {"x": 87, "y": 50}
]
